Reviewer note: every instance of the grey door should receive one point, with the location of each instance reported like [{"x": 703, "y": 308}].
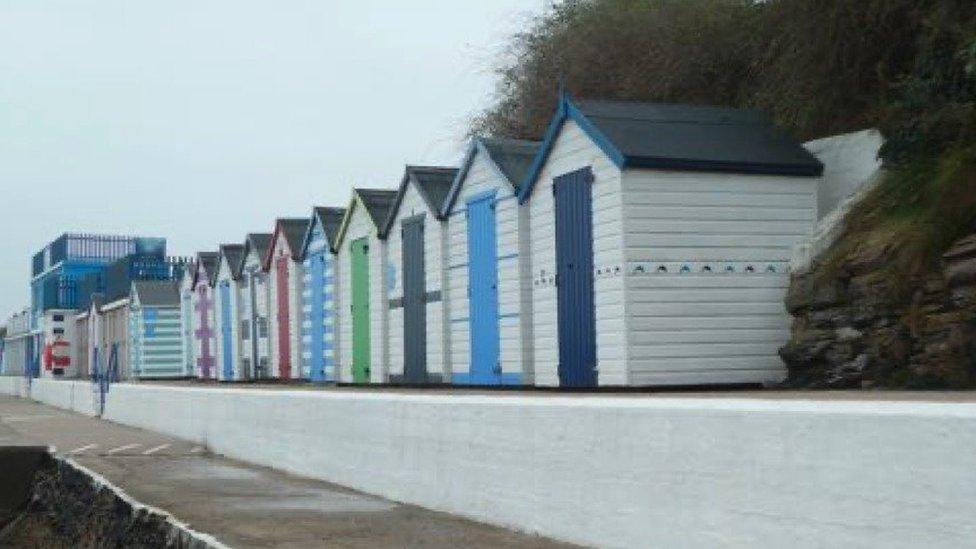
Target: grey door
[{"x": 414, "y": 302}]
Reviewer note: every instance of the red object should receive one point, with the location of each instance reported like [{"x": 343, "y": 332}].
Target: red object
[
  {"x": 48, "y": 356},
  {"x": 284, "y": 339}
]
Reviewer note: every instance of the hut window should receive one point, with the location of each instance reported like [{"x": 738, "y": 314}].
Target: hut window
[
  {"x": 244, "y": 282},
  {"x": 57, "y": 318},
  {"x": 262, "y": 327},
  {"x": 245, "y": 330}
]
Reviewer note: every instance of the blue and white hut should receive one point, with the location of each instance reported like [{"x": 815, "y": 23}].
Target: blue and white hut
[
  {"x": 155, "y": 334},
  {"x": 660, "y": 239},
  {"x": 488, "y": 294},
  {"x": 227, "y": 311},
  {"x": 319, "y": 316}
]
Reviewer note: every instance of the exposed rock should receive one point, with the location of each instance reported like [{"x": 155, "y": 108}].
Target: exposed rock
[{"x": 849, "y": 330}]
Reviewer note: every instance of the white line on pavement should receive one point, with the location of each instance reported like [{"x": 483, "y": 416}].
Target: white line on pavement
[
  {"x": 83, "y": 448},
  {"x": 114, "y": 451},
  {"x": 153, "y": 450}
]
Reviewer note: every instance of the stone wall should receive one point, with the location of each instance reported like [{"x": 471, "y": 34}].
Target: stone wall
[{"x": 849, "y": 330}]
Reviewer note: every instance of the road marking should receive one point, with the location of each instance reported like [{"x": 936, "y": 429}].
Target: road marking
[
  {"x": 83, "y": 448},
  {"x": 29, "y": 418},
  {"x": 114, "y": 451},
  {"x": 152, "y": 451}
]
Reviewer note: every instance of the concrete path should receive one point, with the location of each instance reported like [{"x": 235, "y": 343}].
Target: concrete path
[{"x": 242, "y": 505}]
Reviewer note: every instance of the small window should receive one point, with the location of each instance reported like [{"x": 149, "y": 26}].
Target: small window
[
  {"x": 245, "y": 330},
  {"x": 262, "y": 327},
  {"x": 244, "y": 282},
  {"x": 58, "y": 331},
  {"x": 57, "y": 318}
]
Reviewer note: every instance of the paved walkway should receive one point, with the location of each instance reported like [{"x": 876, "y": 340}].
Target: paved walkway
[{"x": 242, "y": 505}]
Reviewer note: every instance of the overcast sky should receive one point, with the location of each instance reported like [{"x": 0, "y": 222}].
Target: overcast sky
[{"x": 202, "y": 120}]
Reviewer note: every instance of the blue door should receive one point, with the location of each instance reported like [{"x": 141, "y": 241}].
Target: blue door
[
  {"x": 574, "y": 278},
  {"x": 483, "y": 291},
  {"x": 225, "y": 330},
  {"x": 316, "y": 330}
]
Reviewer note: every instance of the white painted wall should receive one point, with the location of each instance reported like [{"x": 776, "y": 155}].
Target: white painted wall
[
  {"x": 515, "y": 345},
  {"x": 438, "y": 357},
  {"x": 849, "y": 160},
  {"x": 571, "y": 151},
  {"x": 688, "y": 318},
  {"x": 360, "y": 225},
  {"x": 613, "y": 471},
  {"x": 295, "y": 280}
]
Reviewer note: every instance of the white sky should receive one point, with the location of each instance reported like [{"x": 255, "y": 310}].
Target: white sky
[{"x": 200, "y": 120}]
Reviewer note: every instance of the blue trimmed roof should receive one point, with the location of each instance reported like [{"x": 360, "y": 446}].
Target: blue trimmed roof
[
  {"x": 679, "y": 137},
  {"x": 512, "y": 157}
]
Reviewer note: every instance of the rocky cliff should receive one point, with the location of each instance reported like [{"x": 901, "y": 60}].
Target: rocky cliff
[{"x": 856, "y": 326}]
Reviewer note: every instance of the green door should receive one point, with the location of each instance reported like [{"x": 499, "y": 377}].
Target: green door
[{"x": 359, "y": 250}]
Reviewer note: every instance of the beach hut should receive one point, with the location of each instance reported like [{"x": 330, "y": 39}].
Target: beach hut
[
  {"x": 283, "y": 264},
  {"x": 255, "y": 343},
  {"x": 488, "y": 296},
  {"x": 186, "y": 317},
  {"x": 203, "y": 315},
  {"x": 155, "y": 342},
  {"x": 363, "y": 299},
  {"x": 319, "y": 315},
  {"x": 660, "y": 244},
  {"x": 227, "y": 309},
  {"x": 415, "y": 237}
]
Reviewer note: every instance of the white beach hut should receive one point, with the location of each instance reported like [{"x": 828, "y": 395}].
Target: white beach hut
[{"x": 660, "y": 239}]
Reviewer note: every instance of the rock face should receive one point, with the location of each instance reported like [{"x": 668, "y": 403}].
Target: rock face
[{"x": 848, "y": 330}]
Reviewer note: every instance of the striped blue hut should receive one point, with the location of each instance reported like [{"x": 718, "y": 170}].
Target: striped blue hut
[
  {"x": 319, "y": 321},
  {"x": 155, "y": 333}
]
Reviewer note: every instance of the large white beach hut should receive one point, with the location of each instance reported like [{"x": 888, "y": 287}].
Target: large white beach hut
[
  {"x": 363, "y": 298},
  {"x": 660, "y": 239},
  {"x": 414, "y": 233},
  {"x": 487, "y": 234}
]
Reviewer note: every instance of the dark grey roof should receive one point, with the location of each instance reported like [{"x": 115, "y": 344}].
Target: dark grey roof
[
  {"x": 158, "y": 293},
  {"x": 234, "y": 254},
  {"x": 208, "y": 262},
  {"x": 432, "y": 182},
  {"x": 294, "y": 229},
  {"x": 331, "y": 220},
  {"x": 512, "y": 156},
  {"x": 259, "y": 242},
  {"x": 691, "y": 137},
  {"x": 377, "y": 203}
]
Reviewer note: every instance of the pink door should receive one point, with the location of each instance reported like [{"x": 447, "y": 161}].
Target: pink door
[{"x": 284, "y": 329}]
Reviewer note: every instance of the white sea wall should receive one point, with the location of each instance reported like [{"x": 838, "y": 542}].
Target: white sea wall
[{"x": 608, "y": 471}]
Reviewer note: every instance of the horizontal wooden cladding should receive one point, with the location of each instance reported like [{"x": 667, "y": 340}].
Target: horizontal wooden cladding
[
  {"x": 722, "y": 198},
  {"x": 707, "y": 309},
  {"x": 716, "y": 227},
  {"x": 717, "y": 213},
  {"x": 707, "y": 295},
  {"x": 651, "y": 181},
  {"x": 712, "y": 253},
  {"x": 712, "y": 350},
  {"x": 728, "y": 240},
  {"x": 765, "y": 370},
  {"x": 651, "y": 337}
]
